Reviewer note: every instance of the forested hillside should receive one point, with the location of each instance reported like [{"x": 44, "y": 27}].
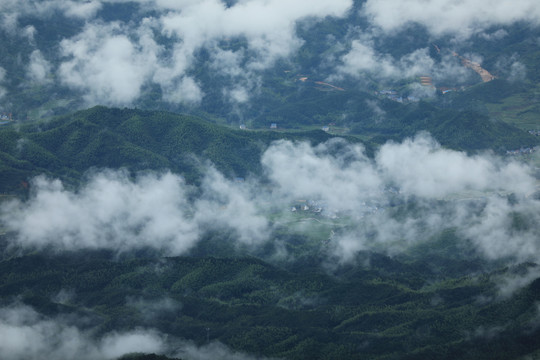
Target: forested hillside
[
  {"x": 385, "y": 311},
  {"x": 101, "y": 137},
  {"x": 268, "y": 179},
  {"x": 138, "y": 140}
]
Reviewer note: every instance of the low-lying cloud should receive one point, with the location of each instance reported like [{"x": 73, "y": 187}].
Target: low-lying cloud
[
  {"x": 166, "y": 44},
  {"x": 2, "y": 77},
  {"x": 112, "y": 211},
  {"x": 27, "y": 334},
  {"x": 421, "y": 167},
  {"x": 106, "y": 65},
  {"x": 110, "y": 62},
  {"x": 462, "y": 18},
  {"x": 363, "y": 59},
  {"x": 211, "y": 351},
  {"x": 39, "y": 69},
  {"x": 484, "y": 199},
  {"x": 16, "y": 9}
]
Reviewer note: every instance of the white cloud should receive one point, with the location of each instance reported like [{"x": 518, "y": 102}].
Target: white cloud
[
  {"x": 9, "y": 22},
  {"x": 28, "y": 335},
  {"x": 39, "y": 68},
  {"x": 29, "y": 32},
  {"x": 338, "y": 173},
  {"x": 511, "y": 68},
  {"x": 267, "y": 26},
  {"x": 150, "y": 309},
  {"x": 461, "y": 18},
  {"x": 114, "y": 345},
  {"x": 363, "y": 59},
  {"x": 109, "y": 212},
  {"x": 84, "y": 10},
  {"x": 518, "y": 72},
  {"x": 2, "y": 78},
  {"x": 497, "y": 230},
  {"x": 185, "y": 90},
  {"x": 510, "y": 283},
  {"x": 229, "y": 64},
  {"x": 494, "y": 36},
  {"x": 111, "y": 62},
  {"x": 379, "y": 113},
  {"x": 345, "y": 180},
  {"x": 113, "y": 212},
  {"x": 253, "y": 34},
  {"x": 228, "y": 205},
  {"x": 211, "y": 351},
  {"x": 421, "y": 167},
  {"x": 106, "y": 65},
  {"x": 47, "y": 8},
  {"x": 449, "y": 189}
]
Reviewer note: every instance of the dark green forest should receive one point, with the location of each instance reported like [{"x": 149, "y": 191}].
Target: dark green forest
[{"x": 296, "y": 311}]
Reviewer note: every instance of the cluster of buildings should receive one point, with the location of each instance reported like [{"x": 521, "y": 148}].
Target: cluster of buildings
[
  {"x": 6, "y": 117},
  {"x": 522, "y": 151},
  {"x": 534, "y": 132},
  {"x": 394, "y": 96},
  {"x": 317, "y": 207},
  {"x": 311, "y": 206},
  {"x": 274, "y": 126},
  {"x": 390, "y": 94}
]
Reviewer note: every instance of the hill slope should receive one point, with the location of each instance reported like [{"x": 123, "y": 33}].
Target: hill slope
[
  {"x": 138, "y": 140},
  {"x": 376, "y": 313}
]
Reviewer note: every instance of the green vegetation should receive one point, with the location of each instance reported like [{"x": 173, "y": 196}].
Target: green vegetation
[
  {"x": 513, "y": 103},
  {"x": 290, "y": 297},
  {"x": 138, "y": 140},
  {"x": 422, "y": 304},
  {"x": 393, "y": 309}
]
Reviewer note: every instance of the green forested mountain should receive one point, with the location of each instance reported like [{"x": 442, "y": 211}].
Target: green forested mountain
[
  {"x": 102, "y": 137},
  {"x": 267, "y": 179},
  {"x": 427, "y": 303},
  {"x": 137, "y": 140},
  {"x": 384, "y": 311}
]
